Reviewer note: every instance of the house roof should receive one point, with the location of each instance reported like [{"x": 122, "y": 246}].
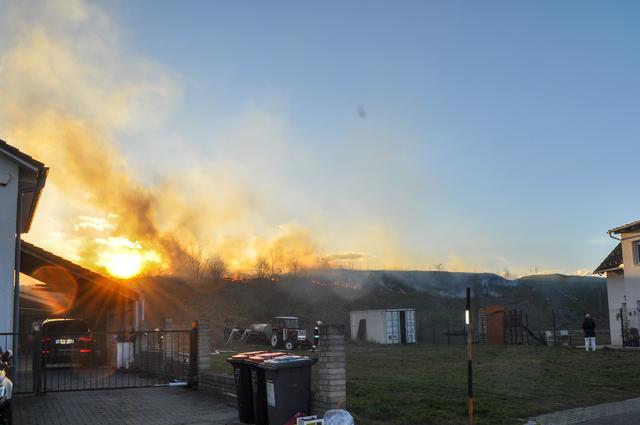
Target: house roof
[
  {"x": 626, "y": 228},
  {"x": 34, "y": 257},
  {"x": 612, "y": 262},
  {"x": 30, "y": 195}
]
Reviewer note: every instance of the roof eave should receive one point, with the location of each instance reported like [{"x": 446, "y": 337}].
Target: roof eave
[
  {"x": 610, "y": 269},
  {"x": 620, "y": 229},
  {"x": 42, "y": 178}
]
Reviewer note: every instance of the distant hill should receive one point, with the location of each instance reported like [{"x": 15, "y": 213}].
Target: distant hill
[{"x": 329, "y": 295}]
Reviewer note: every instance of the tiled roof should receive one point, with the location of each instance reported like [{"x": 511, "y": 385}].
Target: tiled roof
[{"x": 612, "y": 262}]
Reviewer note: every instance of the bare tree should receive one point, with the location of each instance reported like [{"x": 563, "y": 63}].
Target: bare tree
[
  {"x": 262, "y": 268},
  {"x": 217, "y": 268},
  {"x": 275, "y": 259},
  {"x": 196, "y": 262}
]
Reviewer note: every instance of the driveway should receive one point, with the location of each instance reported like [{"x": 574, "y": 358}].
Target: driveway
[{"x": 158, "y": 406}]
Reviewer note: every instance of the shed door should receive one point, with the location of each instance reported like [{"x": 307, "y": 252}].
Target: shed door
[
  {"x": 392, "y": 322},
  {"x": 410, "y": 318}
]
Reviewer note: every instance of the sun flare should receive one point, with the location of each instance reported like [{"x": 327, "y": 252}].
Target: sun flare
[
  {"x": 123, "y": 265},
  {"x": 125, "y": 259}
]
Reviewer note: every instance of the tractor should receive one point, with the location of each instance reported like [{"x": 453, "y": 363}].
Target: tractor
[{"x": 286, "y": 333}]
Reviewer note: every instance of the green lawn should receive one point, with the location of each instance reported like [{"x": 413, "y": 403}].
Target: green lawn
[{"x": 426, "y": 384}]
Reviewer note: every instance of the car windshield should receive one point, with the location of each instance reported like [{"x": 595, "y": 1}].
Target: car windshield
[{"x": 66, "y": 326}]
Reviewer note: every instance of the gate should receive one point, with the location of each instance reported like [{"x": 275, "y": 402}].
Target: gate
[{"x": 56, "y": 362}]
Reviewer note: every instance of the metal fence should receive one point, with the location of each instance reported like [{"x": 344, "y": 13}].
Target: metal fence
[{"x": 67, "y": 361}]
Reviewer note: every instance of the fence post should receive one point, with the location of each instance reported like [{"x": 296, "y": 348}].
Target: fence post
[
  {"x": 193, "y": 356},
  {"x": 37, "y": 361}
]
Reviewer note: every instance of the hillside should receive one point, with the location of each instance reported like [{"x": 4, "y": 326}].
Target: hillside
[{"x": 329, "y": 295}]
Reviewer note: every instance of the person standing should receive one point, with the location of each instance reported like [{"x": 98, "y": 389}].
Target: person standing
[{"x": 589, "y": 328}]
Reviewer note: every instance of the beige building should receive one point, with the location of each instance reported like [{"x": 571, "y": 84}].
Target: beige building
[{"x": 622, "y": 268}]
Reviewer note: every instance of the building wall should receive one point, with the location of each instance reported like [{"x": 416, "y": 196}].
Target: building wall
[
  {"x": 631, "y": 278},
  {"x": 616, "y": 294},
  {"x": 8, "y": 210}
]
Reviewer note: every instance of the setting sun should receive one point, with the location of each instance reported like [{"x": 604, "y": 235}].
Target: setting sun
[
  {"x": 123, "y": 258},
  {"x": 123, "y": 265}
]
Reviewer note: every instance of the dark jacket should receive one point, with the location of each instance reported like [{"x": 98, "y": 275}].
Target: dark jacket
[{"x": 589, "y": 327}]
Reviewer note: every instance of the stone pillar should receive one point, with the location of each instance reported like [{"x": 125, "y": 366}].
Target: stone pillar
[
  {"x": 332, "y": 373},
  {"x": 204, "y": 345}
]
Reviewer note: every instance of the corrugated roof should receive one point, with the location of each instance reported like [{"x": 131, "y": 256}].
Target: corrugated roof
[{"x": 612, "y": 262}]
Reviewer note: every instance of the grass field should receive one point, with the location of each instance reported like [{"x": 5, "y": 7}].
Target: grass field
[{"x": 426, "y": 384}]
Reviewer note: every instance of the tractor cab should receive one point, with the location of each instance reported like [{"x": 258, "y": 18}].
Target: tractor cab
[{"x": 286, "y": 333}]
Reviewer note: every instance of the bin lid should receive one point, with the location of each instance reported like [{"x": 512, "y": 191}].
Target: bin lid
[
  {"x": 265, "y": 356},
  {"x": 241, "y": 357},
  {"x": 246, "y": 355},
  {"x": 287, "y": 361}
]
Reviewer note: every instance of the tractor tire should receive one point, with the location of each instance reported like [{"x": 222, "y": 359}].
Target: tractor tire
[
  {"x": 289, "y": 345},
  {"x": 276, "y": 340}
]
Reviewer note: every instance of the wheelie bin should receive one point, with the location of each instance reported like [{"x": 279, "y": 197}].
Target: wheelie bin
[
  {"x": 258, "y": 389},
  {"x": 287, "y": 386},
  {"x": 242, "y": 378}
]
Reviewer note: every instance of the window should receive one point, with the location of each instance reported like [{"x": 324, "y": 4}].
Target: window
[{"x": 636, "y": 252}]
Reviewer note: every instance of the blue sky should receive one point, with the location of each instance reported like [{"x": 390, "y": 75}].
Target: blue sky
[
  {"x": 494, "y": 134},
  {"x": 514, "y": 124}
]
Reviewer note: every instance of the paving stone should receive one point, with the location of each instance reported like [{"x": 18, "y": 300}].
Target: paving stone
[
  {"x": 140, "y": 406},
  {"x": 584, "y": 414}
]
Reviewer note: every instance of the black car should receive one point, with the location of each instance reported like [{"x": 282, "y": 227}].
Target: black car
[{"x": 67, "y": 341}]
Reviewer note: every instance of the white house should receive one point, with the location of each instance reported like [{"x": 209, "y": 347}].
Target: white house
[
  {"x": 622, "y": 268},
  {"x": 21, "y": 181}
]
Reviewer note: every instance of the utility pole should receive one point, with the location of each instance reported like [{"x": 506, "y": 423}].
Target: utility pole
[{"x": 467, "y": 320}]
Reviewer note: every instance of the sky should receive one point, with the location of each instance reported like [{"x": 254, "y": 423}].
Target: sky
[{"x": 480, "y": 136}]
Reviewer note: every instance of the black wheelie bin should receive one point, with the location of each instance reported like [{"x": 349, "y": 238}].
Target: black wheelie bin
[
  {"x": 288, "y": 386},
  {"x": 258, "y": 388},
  {"x": 242, "y": 378}
]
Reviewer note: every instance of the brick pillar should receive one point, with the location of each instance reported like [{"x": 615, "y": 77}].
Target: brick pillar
[
  {"x": 168, "y": 343},
  {"x": 204, "y": 345},
  {"x": 332, "y": 373}
]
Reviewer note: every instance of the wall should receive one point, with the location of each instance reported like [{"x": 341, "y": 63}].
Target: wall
[
  {"x": 631, "y": 277},
  {"x": 616, "y": 296},
  {"x": 8, "y": 209},
  {"x": 218, "y": 384}
]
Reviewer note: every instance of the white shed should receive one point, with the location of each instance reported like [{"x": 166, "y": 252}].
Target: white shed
[{"x": 389, "y": 326}]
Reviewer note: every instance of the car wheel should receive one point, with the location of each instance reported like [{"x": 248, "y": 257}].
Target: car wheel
[
  {"x": 275, "y": 340},
  {"x": 288, "y": 345}
]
